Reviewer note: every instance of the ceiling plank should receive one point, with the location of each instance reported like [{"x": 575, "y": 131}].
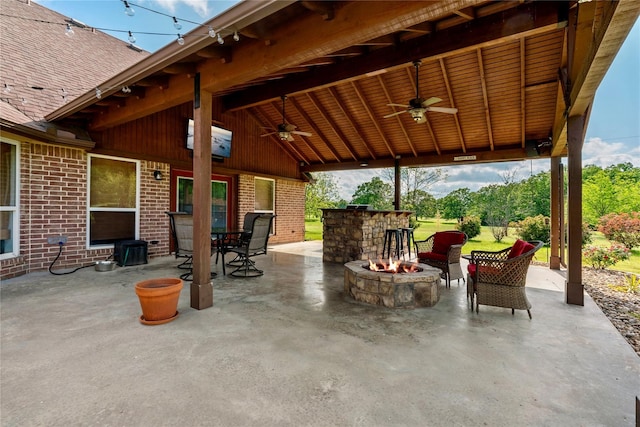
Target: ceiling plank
[
  {"x": 540, "y": 17},
  {"x": 445, "y": 76},
  {"x": 523, "y": 83},
  {"x": 397, "y": 118},
  {"x": 316, "y": 129},
  {"x": 485, "y": 99},
  {"x": 285, "y": 145},
  {"x": 336, "y": 129},
  {"x": 366, "y": 106},
  {"x": 344, "y": 110}
]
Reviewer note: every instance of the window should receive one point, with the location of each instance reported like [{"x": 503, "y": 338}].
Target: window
[
  {"x": 219, "y": 200},
  {"x": 113, "y": 200},
  {"x": 9, "y": 199},
  {"x": 265, "y": 192}
]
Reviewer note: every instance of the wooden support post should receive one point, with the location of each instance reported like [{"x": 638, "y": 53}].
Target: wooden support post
[
  {"x": 574, "y": 291},
  {"x": 397, "y": 182},
  {"x": 556, "y": 222},
  {"x": 201, "y": 287}
]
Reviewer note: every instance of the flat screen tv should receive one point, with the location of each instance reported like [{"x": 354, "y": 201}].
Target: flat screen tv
[{"x": 220, "y": 140}]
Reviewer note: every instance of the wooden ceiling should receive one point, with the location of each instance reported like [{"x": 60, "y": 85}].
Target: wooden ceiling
[{"x": 507, "y": 67}]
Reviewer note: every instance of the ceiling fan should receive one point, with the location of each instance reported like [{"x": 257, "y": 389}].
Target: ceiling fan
[
  {"x": 286, "y": 130},
  {"x": 418, "y": 106}
]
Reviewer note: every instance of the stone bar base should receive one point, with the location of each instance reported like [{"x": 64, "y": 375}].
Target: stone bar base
[{"x": 400, "y": 290}]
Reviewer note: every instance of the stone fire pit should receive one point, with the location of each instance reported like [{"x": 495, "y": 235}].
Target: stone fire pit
[{"x": 399, "y": 290}]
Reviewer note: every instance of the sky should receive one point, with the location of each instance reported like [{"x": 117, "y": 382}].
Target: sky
[{"x": 612, "y": 137}]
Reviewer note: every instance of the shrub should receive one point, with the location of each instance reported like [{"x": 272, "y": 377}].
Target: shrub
[
  {"x": 622, "y": 228},
  {"x": 470, "y": 225},
  {"x": 600, "y": 257},
  {"x": 587, "y": 234},
  {"x": 534, "y": 228}
]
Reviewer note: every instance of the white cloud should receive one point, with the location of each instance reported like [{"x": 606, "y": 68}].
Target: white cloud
[
  {"x": 601, "y": 153},
  {"x": 201, "y": 7}
]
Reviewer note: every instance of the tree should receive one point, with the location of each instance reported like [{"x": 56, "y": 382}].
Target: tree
[
  {"x": 422, "y": 203},
  {"x": 455, "y": 204},
  {"x": 414, "y": 187},
  {"x": 322, "y": 192},
  {"x": 375, "y": 193}
]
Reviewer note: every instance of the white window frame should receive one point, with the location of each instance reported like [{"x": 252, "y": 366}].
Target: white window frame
[
  {"x": 15, "y": 210},
  {"x": 89, "y": 209},
  {"x": 273, "y": 202}
]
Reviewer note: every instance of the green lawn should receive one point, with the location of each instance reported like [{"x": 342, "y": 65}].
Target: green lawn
[{"x": 485, "y": 241}]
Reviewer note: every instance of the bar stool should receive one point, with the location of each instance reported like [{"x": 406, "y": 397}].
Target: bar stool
[
  {"x": 391, "y": 235},
  {"x": 408, "y": 232}
]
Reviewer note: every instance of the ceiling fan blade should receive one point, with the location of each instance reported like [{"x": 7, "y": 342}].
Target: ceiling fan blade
[
  {"x": 298, "y": 132},
  {"x": 289, "y": 127},
  {"x": 398, "y": 105},
  {"x": 269, "y": 134},
  {"x": 290, "y": 138},
  {"x": 443, "y": 110},
  {"x": 393, "y": 114},
  {"x": 431, "y": 101}
]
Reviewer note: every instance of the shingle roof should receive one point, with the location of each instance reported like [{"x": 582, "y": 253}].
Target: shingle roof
[{"x": 36, "y": 53}]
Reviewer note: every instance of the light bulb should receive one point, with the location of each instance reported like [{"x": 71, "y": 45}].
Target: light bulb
[
  {"x": 212, "y": 32},
  {"x": 236, "y": 37},
  {"x": 220, "y": 39},
  {"x": 126, "y": 89},
  {"x": 69, "y": 31},
  {"x": 64, "y": 95},
  {"x": 128, "y": 10},
  {"x": 180, "y": 40},
  {"x": 176, "y": 24},
  {"x": 132, "y": 39},
  {"x": 98, "y": 93}
]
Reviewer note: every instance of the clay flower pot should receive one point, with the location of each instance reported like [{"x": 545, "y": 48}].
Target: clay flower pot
[{"x": 158, "y": 300}]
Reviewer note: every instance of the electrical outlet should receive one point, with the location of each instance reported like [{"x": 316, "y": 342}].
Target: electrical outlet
[{"x": 57, "y": 240}]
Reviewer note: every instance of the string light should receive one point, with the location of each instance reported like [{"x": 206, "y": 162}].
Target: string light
[
  {"x": 132, "y": 39},
  {"x": 69, "y": 31},
  {"x": 126, "y": 89},
  {"x": 220, "y": 39},
  {"x": 98, "y": 93},
  {"x": 212, "y": 32},
  {"x": 128, "y": 10},
  {"x": 176, "y": 24},
  {"x": 180, "y": 40},
  {"x": 236, "y": 37},
  {"x": 64, "y": 95}
]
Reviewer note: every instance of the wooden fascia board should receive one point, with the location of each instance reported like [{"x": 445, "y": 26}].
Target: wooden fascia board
[
  {"x": 17, "y": 131},
  {"x": 303, "y": 39},
  {"x": 481, "y": 32},
  {"x": 506, "y": 155}
]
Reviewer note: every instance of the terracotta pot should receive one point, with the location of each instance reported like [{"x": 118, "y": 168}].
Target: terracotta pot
[{"x": 158, "y": 299}]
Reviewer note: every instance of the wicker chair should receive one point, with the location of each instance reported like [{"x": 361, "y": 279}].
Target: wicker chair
[
  {"x": 442, "y": 250},
  {"x": 498, "y": 278}
]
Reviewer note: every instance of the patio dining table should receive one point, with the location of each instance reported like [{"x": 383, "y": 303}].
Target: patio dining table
[{"x": 225, "y": 238}]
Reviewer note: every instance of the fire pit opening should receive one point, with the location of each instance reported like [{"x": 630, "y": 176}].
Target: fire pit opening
[{"x": 392, "y": 266}]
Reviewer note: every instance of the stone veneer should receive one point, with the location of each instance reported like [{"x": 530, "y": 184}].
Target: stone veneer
[
  {"x": 399, "y": 290},
  {"x": 351, "y": 234}
]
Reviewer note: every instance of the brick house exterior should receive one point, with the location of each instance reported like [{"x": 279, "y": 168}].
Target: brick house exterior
[{"x": 53, "y": 162}]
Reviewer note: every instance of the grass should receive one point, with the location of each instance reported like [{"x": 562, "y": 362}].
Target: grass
[{"x": 485, "y": 241}]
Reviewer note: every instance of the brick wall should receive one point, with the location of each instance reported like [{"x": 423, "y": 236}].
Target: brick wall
[{"x": 289, "y": 221}]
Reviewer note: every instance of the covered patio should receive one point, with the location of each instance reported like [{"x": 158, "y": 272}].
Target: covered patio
[{"x": 289, "y": 348}]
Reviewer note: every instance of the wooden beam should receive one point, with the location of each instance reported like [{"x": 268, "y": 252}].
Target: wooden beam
[
  {"x": 523, "y": 104},
  {"x": 252, "y": 59},
  {"x": 323, "y": 8},
  {"x": 485, "y": 99},
  {"x": 467, "y": 13},
  {"x": 481, "y": 32},
  {"x": 445, "y": 76},
  {"x": 444, "y": 159},
  {"x": 556, "y": 222},
  {"x": 201, "y": 287},
  {"x": 180, "y": 68},
  {"x": 344, "y": 110},
  {"x": 396, "y": 118},
  {"x": 336, "y": 129}
]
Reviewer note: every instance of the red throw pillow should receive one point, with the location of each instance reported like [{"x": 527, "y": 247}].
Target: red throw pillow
[
  {"x": 520, "y": 247},
  {"x": 443, "y": 240},
  {"x": 431, "y": 255}
]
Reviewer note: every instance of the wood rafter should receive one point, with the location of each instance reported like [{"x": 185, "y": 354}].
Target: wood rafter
[
  {"x": 375, "y": 120},
  {"x": 445, "y": 76},
  {"x": 354, "y": 125},
  {"x": 397, "y": 119},
  {"x": 341, "y": 136},
  {"x": 316, "y": 129},
  {"x": 410, "y": 74},
  {"x": 485, "y": 99}
]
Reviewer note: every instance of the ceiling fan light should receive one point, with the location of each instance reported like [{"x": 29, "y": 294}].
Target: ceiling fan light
[
  {"x": 417, "y": 114},
  {"x": 284, "y": 135}
]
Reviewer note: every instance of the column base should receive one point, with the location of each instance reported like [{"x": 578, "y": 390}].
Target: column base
[
  {"x": 574, "y": 293},
  {"x": 201, "y": 295}
]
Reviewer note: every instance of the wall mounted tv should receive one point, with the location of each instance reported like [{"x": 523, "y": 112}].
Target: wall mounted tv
[{"x": 220, "y": 140}]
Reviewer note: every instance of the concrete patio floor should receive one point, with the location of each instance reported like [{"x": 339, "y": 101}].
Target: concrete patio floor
[{"x": 289, "y": 349}]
